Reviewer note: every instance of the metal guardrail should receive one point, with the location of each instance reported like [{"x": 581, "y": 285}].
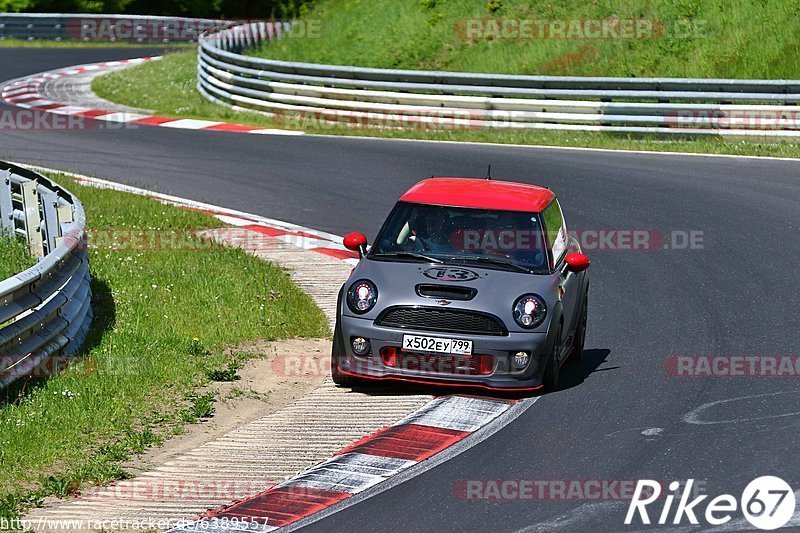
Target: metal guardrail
[
  {"x": 368, "y": 96},
  {"x": 45, "y": 311},
  {"x": 94, "y": 27}
]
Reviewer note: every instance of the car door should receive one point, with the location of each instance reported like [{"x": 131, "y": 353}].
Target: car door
[{"x": 558, "y": 244}]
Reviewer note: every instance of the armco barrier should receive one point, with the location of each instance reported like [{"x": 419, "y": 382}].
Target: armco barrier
[
  {"x": 368, "y": 96},
  {"x": 45, "y": 311},
  {"x": 94, "y": 27}
]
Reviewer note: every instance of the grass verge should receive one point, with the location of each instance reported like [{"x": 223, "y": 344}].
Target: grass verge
[
  {"x": 14, "y": 256},
  {"x": 166, "y": 304},
  {"x": 168, "y": 87},
  {"x": 687, "y": 38}
]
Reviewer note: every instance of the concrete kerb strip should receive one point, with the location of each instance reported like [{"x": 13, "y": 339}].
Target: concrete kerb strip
[
  {"x": 53, "y": 92},
  {"x": 76, "y": 90}
]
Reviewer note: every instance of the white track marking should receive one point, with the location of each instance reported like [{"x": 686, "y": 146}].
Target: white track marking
[
  {"x": 695, "y": 415},
  {"x": 69, "y": 110},
  {"x": 456, "y": 412},
  {"x": 122, "y": 117},
  {"x": 273, "y": 131},
  {"x": 190, "y": 124}
]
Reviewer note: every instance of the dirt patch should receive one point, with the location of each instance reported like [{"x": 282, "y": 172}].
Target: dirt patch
[{"x": 283, "y": 371}]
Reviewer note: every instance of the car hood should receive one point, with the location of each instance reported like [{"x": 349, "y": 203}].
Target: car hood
[{"x": 495, "y": 290}]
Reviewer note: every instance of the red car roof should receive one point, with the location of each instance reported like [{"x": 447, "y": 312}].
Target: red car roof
[{"x": 480, "y": 194}]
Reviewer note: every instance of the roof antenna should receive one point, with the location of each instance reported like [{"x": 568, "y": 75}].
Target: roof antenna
[{"x": 489, "y": 172}]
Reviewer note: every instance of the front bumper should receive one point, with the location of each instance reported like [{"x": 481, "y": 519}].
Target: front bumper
[{"x": 503, "y": 374}]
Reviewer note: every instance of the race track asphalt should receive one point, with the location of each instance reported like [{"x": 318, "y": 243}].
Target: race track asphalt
[{"x": 621, "y": 415}]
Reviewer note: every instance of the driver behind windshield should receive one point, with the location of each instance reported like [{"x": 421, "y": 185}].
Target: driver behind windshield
[
  {"x": 430, "y": 231},
  {"x": 452, "y": 233}
]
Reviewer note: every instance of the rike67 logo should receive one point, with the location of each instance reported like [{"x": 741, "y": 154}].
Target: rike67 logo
[{"x": 767, "y": 503}]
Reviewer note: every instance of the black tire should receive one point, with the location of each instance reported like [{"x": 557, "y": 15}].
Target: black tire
[
  {"x": 337, "y": 351},
  {"x": 580, "y": 331},
  {"x": 552, "y": 372}
]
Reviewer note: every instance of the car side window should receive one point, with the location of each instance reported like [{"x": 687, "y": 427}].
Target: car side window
[{"x": 556, "y": 231}]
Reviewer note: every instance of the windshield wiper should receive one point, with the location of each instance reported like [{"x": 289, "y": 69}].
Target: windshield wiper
[
  {"x": 413, "y": 255},
  {"x": 493, "y": 261}
]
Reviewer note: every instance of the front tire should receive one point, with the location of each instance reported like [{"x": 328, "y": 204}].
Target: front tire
[
  {"x": 580, "y": 331},
  {"x": 552, "y": 372}
]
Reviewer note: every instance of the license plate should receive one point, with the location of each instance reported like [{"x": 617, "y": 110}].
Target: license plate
[{"x": 419, "y": 343}]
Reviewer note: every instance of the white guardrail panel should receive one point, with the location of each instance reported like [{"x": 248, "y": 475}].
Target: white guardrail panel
[
  {"x": 351, "y": 94},
  {"x": 91, "y": 27},
  {"x": 45, "y": 311}
]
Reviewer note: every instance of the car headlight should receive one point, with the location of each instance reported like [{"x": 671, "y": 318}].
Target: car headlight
[
  {"x": 529, "y": 311},
  {"x": 362, "y": 296}
]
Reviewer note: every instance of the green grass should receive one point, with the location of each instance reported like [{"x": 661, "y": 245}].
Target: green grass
[
  {"x": 701, "y": 38},
  {"x": 231, "y": 373},
  {"x": 202, "y": 406},
  {"x": 163, "y": 316},
  {"x": 14, "y": 256},
  {"x": 169, "y": 87}
]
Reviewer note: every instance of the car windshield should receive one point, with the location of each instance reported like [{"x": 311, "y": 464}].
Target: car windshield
[{"x": 506, "y": 240}]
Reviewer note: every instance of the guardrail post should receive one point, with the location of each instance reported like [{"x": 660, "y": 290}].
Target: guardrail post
[
  {"x": 33, "y": 219},
  {"x": 65, "y": 217},
  {"x": 6, "y": 206},
  {"x": 50, "y": 208}
]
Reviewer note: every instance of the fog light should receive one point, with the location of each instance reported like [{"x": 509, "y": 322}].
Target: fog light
[
  {"x": 360, "y": 346},
  {"x": 521, "y": 359}
]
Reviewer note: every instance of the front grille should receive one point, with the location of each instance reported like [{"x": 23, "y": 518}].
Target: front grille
[{"x": 444, "y": 320}]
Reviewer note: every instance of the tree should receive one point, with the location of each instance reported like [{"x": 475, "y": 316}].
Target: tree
[
  {"x": 15, "y": 6},
  {"x": 231, "y": 9}
]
